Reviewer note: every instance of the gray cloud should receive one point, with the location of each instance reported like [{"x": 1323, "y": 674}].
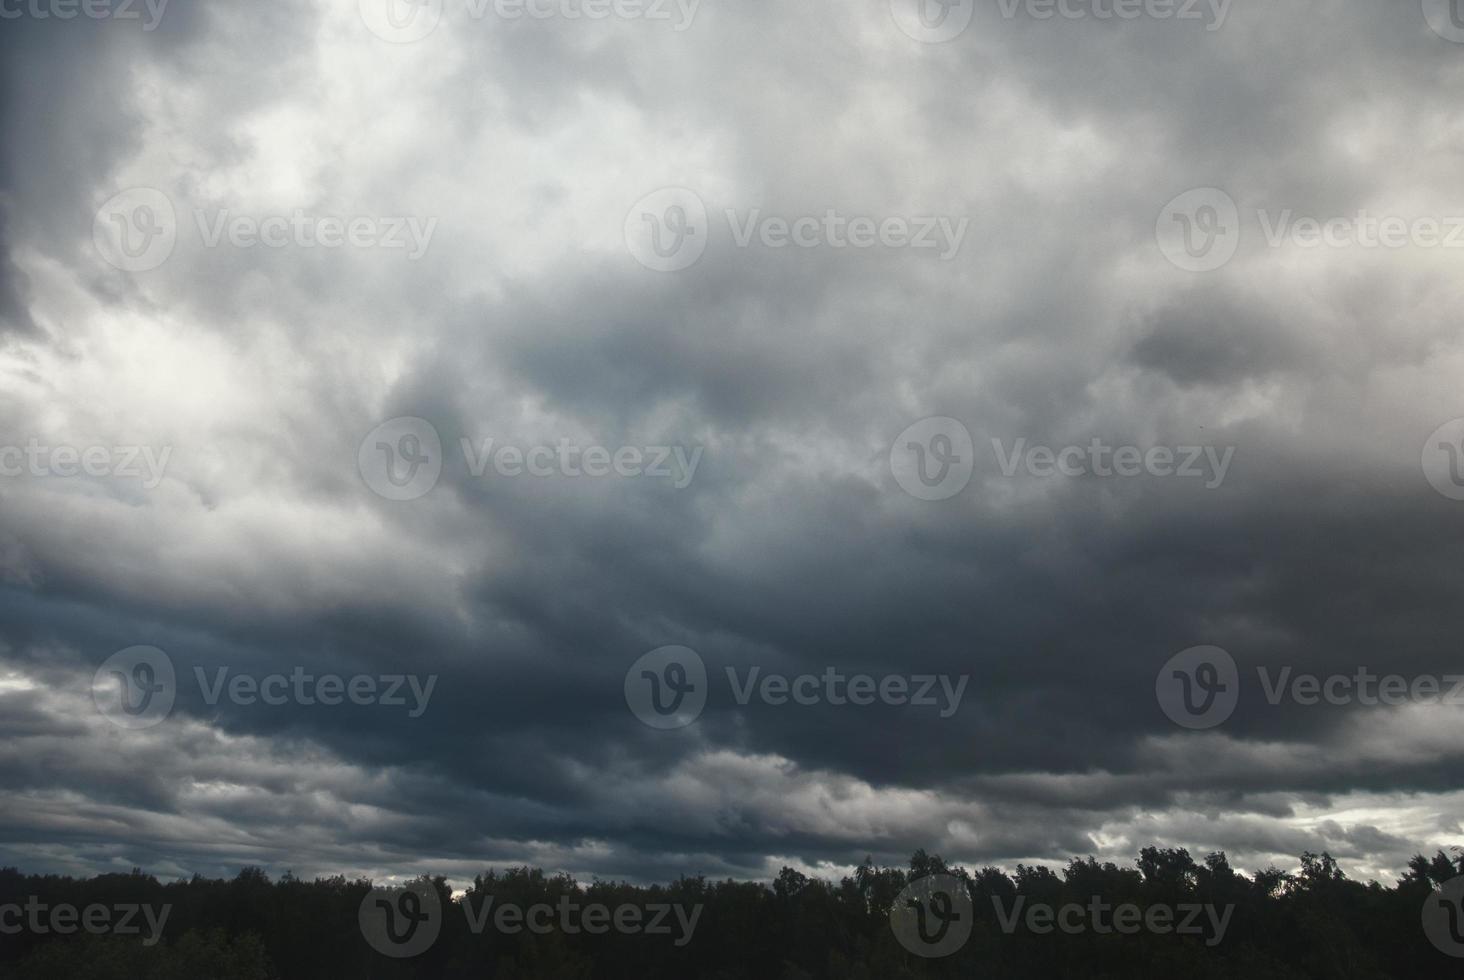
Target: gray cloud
[{"x": 794, "y": 370}]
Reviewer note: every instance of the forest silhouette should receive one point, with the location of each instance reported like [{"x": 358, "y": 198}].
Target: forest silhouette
[{"x": 1312, "y": 922}]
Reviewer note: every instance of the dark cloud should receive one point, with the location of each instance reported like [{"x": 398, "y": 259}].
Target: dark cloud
[{"x": 793, "y": 370}]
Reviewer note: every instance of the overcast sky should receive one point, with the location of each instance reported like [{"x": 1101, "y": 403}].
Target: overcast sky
[{"x": 351, "y": 235}]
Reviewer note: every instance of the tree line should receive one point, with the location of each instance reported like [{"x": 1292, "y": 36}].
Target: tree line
[{"x": 1089, "y": 919}]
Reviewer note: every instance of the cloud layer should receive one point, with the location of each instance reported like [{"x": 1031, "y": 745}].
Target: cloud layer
[{"x": 531, "y": 319}]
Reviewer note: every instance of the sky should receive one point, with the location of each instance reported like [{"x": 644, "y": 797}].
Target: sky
[{"x": 645, "y": 438}]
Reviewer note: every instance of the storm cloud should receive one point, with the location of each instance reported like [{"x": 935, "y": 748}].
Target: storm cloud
[{"x": 244, "y": 384}]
